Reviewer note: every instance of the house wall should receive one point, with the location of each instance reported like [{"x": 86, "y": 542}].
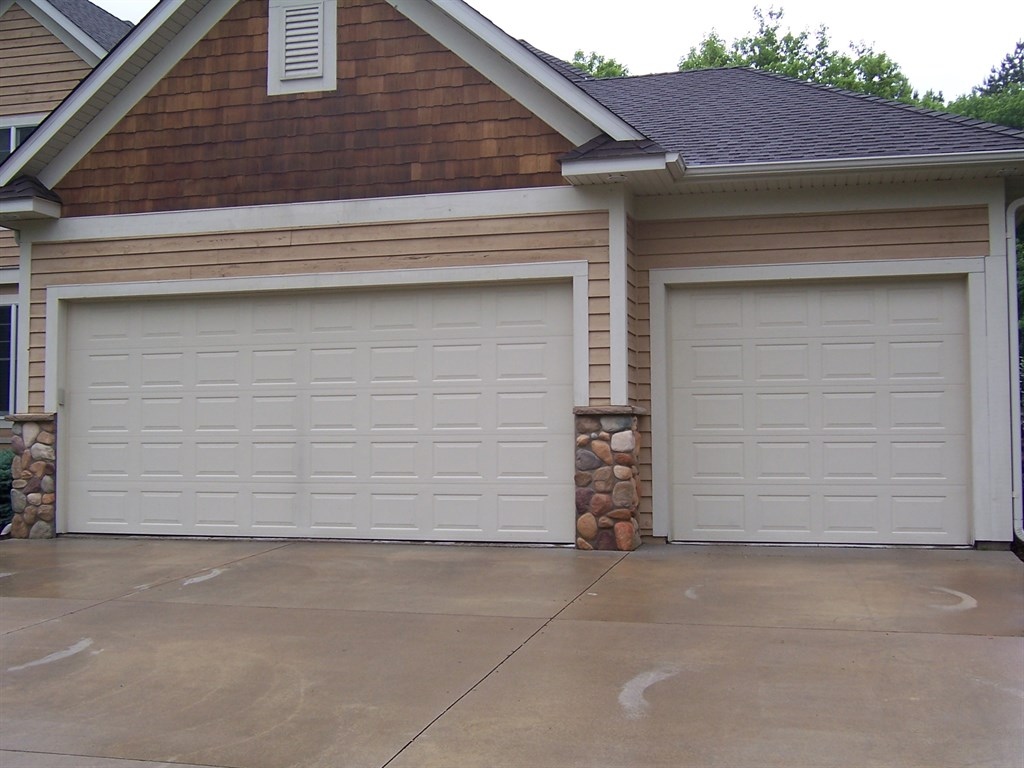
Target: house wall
[
  {"x": 36, "y": 69},
  {"x": 8, "y": 250},
  {"x": 398, "y": 246},
  {"x": 408, "y": 117},
  {"x": 941, "y": 232}
]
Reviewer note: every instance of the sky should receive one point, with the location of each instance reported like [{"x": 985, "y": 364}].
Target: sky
[{"x": 944, "y": 47}]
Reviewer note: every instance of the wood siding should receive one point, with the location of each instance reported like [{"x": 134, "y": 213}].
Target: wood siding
[
  {"x": 469, "y": 242},
  {"x": 408, "y": 117},
  {"x": 867, "y": 236},
  {"x": 9, "y": 250},
  {"x": 36, "y": 69}
]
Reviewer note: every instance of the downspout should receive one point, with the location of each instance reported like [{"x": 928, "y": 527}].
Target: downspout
[{"x": 1015, "y": 443}]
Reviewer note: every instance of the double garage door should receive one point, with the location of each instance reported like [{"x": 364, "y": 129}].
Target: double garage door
[
  {"x": 831, "y": 412},
  {"x": 429, "y": 413}
]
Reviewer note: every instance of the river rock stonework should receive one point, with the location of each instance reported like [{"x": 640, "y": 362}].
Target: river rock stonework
[
  {"x": 607, "y": 478},
  {"x": 33, "y": 475}
]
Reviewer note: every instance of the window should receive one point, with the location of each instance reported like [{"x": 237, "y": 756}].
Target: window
[
  {"x": 8, "y": 341},
  {"x": 14, "y": 131},
  {"x": 303, "y": 46}
]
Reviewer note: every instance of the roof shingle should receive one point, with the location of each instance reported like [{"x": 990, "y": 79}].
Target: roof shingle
[{"x": 105, "y": 29}]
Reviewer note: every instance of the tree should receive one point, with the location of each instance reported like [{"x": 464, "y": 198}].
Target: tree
[
  {"x": 806, "y": 57},
  {"x": 1010, "y": 72},
  {"x": 1000, "y": 99},
  {"x": 598, "y": 66}
]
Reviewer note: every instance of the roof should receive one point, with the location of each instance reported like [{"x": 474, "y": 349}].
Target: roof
[
  {"x": 737, "y": 116},
  {"x": 104, "y": 28}
]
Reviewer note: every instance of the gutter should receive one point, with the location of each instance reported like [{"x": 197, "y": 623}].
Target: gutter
[
  {"x": 1015, "y": 442},
  {"x": 856, "y": 164}
]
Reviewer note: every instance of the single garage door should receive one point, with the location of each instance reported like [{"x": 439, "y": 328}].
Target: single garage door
[
  {"x": 830, "y": 412},
  {"x": 440, "y": 413}
]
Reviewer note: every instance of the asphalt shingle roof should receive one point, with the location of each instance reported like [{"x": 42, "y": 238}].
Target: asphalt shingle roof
[
  {"x": 105, "y": 29},
  {"x": 737, "y": 116}
]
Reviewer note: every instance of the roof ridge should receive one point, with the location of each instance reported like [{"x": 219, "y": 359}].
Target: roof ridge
[{"x": 969, "y": 122}]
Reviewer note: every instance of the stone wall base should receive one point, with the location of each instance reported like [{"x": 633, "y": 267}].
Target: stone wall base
[
  {"x": 34, "y": 475},
  {"x": 607, "y": 478}
]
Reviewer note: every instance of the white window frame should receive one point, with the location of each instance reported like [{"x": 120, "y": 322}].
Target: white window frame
[
  {"x": 324, "y": 76},
  {"x": 9, "y": 127}
]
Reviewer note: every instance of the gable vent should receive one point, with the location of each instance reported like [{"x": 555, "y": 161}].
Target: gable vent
[
  {"x": 303, "y": 42},
  {"x": 303, "y": 46}
]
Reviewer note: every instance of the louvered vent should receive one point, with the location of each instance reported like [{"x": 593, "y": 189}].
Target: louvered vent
[
  {"x": 303, "y": 46},
  {"x": 303, "y": 42}
]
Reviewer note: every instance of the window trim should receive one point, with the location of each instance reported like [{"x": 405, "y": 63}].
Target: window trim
[{"x": 325, "y": 78}]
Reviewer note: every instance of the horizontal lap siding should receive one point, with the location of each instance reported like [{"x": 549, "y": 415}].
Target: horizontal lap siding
[
  {"x": 862, "y": 236},
  {"x": 408, "y": 117},
  {"x": 470, "y": 242},
  {"x": 36, "y": 69},
  {"x": 8, "y": 250}
]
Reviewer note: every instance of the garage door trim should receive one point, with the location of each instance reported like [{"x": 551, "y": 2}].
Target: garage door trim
[
  {"x": 60, "y": 297},
  {"x": 988, "y": 439}
]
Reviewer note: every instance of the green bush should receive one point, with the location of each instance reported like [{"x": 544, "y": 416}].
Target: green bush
[{"x": 6, "y": 513}]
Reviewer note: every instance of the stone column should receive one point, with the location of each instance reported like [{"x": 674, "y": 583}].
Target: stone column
[
  {"x": 607, "y": 478},
  {"x": 33, "y": 475}
]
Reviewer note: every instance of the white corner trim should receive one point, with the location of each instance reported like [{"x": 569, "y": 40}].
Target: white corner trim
[
  {"x": 24, "y": 313},
  {"x": 514, "y": 69},
  {"x": 57, "y": 298},
  {"x": 989, "y": 429},
  {"x": 618, "y": 279}
]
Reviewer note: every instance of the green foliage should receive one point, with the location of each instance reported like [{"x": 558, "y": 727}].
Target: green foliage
[
  {"x": 6, "y": 513},
  {"x": 1005, "y": 107},
  {"x": 805, "y": 56},
  {"x": 597, "y": 65},
  {"x": 1009, "y": 73}
]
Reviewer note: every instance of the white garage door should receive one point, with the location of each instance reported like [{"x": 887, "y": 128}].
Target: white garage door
[
  {"x": 820, "y": 413},
  {"x": 441, "y": 413}
]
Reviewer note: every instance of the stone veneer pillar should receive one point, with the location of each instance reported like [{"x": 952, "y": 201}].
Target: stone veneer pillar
[
  {"x": 33, "y": 475},
  {"x": 607, "y": 478}
]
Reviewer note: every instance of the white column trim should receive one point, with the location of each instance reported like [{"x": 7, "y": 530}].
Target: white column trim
[{"x": 618, "y": 303}]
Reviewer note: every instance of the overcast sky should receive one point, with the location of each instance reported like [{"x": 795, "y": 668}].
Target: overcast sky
[{"x": 949, "y": 47}]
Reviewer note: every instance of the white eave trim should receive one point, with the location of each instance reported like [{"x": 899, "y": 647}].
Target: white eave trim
[
  {"x": 555, "y": 100},
  {"x": 28, "y": 208},
  {"x": 670, "y": 161},
  {"x": 904, "y": 162}
]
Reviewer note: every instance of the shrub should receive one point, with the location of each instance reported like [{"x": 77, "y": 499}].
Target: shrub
[{"x": 6, "y": 513}]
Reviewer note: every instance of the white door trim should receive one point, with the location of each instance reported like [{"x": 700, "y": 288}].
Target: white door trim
[{"x": 989, "y": 433}]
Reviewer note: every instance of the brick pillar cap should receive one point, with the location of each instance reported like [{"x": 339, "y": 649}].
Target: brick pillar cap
[{"x": 19, "y": 417}]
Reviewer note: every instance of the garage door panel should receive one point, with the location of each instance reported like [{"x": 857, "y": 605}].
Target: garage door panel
[
  {"x": 821, "y": 412},
  {"x": 326, "y": 414}
]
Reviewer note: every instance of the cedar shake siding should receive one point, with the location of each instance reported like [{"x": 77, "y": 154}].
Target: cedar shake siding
[
  {"x": 36, "y": 69},
  {"x": 409, "y": 117},
  {"x": 356, "y": 248}
]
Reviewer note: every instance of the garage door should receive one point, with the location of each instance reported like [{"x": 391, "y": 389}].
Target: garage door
[
  {"x": 820, "y": 413},
  {"x": 441, "y": 413}
]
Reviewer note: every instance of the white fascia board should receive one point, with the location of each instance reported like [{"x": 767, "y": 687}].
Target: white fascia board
[
  {"x": 802, "y": 167},
  {"x": 114, "y": 72},
  {"x": 625, "y": 165},
  {"x": 28, "y": 208},
  {"x": 514, "y": 69},
  {"x": 65, "y": 30}
]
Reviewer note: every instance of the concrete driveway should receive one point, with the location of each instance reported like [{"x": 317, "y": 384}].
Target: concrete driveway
[{"x": 126, "y": 653}]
